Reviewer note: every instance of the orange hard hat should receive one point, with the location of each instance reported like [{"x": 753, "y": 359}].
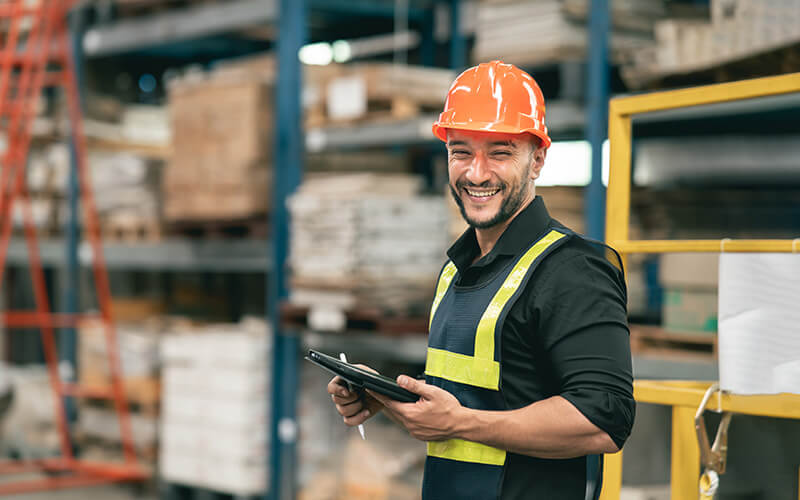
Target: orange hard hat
[{"x": 495, "y": 97}]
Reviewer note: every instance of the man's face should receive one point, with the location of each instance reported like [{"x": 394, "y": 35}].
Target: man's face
[{"x": 491, "y": 174}]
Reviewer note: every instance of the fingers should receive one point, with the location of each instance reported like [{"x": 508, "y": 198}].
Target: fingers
[
  {"x": 354, "y": 407},
  {"x": 337, "y": 386},
  {"x": 357, "y": 419},
  {"x": 384, "y": 401},
  {"x": 367, "y": 368},
  {"x": 415, "y": 386},
  {"x": 351, "y": 409}
]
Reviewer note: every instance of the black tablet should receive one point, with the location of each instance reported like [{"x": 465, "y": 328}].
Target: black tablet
[{"x": 362, "y": 379}]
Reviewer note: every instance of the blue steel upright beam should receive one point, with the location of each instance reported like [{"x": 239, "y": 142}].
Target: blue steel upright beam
[
  {"x": 458, "y": 44},
  {"x": 597, "y": 125},
  {"x": 428, "y": 43},
  {"x": 67, "y": 349},
  {"x": 288, "y": 163}
]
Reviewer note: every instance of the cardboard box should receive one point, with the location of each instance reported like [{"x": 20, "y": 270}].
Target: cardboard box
[
  {"x": 222, "y": 149},
  {"x": 689, "y": 310}
]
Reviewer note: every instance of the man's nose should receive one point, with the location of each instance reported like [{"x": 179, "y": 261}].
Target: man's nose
[{"x": 478, "y": 172}]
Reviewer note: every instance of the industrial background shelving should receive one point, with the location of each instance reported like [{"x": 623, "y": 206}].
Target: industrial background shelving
[{"x": 205, "y": 34}]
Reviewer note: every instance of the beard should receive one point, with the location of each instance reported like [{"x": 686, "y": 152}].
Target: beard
[{"x": 510, "y": 205}]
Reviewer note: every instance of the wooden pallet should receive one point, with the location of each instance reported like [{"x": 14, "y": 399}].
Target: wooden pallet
[
  {"x": 131, "y": 230},
  {"x": 378, "y": 110},
  {"x": 255, "y": 226},
  {"x": 362, "y": 319},
  {"x": 142, "y": 393},
  {"x": 654, "y": 340}
]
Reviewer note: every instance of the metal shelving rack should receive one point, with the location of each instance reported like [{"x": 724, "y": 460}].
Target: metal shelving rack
[
  {"x": 168, "y": 255},
  {"x": 291, "y": 17}
]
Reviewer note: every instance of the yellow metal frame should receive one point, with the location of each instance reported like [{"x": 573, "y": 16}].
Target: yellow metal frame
[{"x": 684, "y": 397}]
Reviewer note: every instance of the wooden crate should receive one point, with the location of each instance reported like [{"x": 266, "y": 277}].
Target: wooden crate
[
  {"x": 222, "y": 131},
  {"x": 144, "y": 393},
  {"x": 657, "y": 341},
  {"x": 212, "y": 202}
]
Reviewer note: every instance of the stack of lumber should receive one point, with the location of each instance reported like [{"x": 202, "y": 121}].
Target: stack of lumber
[
  {"x": 221, "y": 147},
  {"x": 214, "y": 427},
  {"x": 368, "y": 91},
  {"x": 738, "y": 30},
  {"x": 28, "y": 427},
  {"x": 531, "y": 33},
  {"x": 46, "y": 179},
  {"x": 126, "y": 188},
  {"x": 127, "y": 191},
  {"x": 113, "y": 126},
  {"x": 366, "y": 240},
  {"x": 138, "y": 347},
  {"x": 138, "y": 355},
  {"x": 354, "y": 92},
  {"x": 630, "y": 15},
  {"x": 98, "y": 431}
]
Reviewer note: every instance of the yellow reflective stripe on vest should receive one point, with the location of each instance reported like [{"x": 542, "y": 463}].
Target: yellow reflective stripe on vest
[
  {"x": 441, "y": 288},
  {"x": 479, "y": 370},
  {"x": 463, "y": 369},
  {"x": 466, "y": 451},
  {"x": 484, "y": 336}
]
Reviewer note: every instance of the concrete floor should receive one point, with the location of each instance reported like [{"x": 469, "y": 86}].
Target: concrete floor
[{"x": 102, "y": 492}]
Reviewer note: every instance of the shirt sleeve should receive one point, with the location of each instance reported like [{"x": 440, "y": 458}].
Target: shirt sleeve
[{"x": 586, "y": 338}]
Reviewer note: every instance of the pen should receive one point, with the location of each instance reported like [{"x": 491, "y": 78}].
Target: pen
[{"x": 343, "y": 358}]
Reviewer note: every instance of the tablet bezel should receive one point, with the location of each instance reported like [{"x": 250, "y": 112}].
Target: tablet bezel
[{"x": 360, "y": 378}]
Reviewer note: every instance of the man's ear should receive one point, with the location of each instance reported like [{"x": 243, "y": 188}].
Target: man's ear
[{"x": 537, "y": 161}]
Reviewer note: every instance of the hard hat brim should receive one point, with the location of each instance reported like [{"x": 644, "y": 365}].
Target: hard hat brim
[{"x": 440, "y": 131}]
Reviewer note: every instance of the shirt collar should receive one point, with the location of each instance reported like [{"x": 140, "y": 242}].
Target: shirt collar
[{"x": 526, "y": 227}]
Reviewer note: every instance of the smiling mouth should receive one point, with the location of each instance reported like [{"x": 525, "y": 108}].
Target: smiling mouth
[{"x": 476, "y": 193}]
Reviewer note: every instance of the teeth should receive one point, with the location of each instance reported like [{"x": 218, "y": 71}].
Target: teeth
[{"x": 481, "y": 194}]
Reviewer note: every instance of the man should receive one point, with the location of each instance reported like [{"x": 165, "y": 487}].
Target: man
[{"x": 528, "y": 373}]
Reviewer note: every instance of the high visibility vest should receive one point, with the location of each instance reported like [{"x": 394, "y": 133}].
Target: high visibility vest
[{"x": 464, "y": 358}]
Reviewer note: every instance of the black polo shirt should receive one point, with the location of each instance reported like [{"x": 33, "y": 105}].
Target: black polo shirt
[{"x": 567, "y": 335}]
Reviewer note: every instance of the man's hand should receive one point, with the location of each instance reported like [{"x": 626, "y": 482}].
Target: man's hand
[
  {"x": 433, "y": 417},
  {"x": 354, "y": 407}
]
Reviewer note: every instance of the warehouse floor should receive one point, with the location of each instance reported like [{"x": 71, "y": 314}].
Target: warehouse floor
[{"x": 102, "y": 492}]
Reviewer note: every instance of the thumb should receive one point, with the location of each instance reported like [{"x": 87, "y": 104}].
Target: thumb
[{"x": 415, "y": 386}]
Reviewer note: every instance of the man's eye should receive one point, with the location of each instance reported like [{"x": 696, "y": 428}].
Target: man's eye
[
  {"x": 460, "y": 152},
  {"x": 501, "y": 153}
]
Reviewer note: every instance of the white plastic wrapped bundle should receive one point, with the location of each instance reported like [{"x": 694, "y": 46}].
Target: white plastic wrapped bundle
[{"x": 759, "y": 323}]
